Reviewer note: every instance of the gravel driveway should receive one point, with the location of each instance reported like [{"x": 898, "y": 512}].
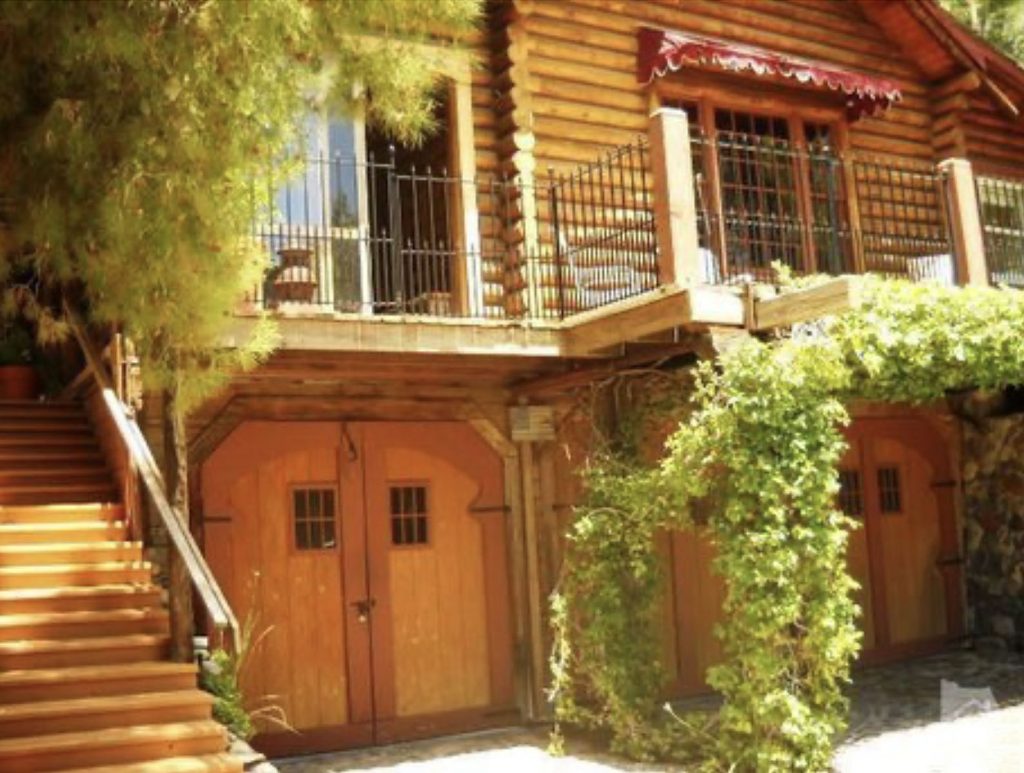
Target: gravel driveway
[{"x": 913, "y": 717}]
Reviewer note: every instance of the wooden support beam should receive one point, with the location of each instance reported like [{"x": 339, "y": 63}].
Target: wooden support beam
[
  {"x": 965, "y": 222},
  {"x": 350, "y": 333},
  {"x": 537, "y": 660},
  {"x": 675, "y": 206},
  {"x": 582, "y": 335},
  {"x": 651, "y": 312},
  {"x": 832, "y": 297},
  {"x": 515, "y": 531},
  {"x": 692, "y": 343}
]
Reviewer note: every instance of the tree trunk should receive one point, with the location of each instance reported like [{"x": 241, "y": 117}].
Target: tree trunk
[{"x": 176, "y": 477}]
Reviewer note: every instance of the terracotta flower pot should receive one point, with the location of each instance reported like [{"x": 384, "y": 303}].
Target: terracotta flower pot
[
  {"x": 19, "y": 382},
  {"x": 295, "y": 282}
]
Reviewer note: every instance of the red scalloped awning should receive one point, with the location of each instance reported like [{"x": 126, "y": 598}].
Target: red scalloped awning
[{"x": 664, "y": 51}]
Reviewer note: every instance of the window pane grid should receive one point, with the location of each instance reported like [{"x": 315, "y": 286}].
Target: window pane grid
[
  {"x": 409, "y": 515},
  {"x": 761, "y": 211},
  {"x": 889, "y": 497},
  {"x": 850, "y": 501},
  {"x": 313, "y": 516}
]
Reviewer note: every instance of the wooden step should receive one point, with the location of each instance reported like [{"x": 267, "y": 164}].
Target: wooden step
[
  {"x": 42, "y": 406},
  {"x": 55, "y": 439},
  {"x": 115, "y": 746},
  {"x": 94, "y": 681},
  {"x": 32, "y": 469},
  {"x": 69, "y": 553},
  {"x": 95, "y": 651},
  {"x": 46, "y": 426},
  {"x": 68, "y": 575},
  {"x": 61, "y": 513},
  {"x": 77, "y": 714},
  {"x": 207, "y": 763},
  {"x": 50, "y": 454},
  {"x": 69, "y": 531},
  {"x": 81, "y": 625},
  {"x": 64, "y": 493},
  {"x": 89, "y": 598},
  {"x": 52, "y": 420}
]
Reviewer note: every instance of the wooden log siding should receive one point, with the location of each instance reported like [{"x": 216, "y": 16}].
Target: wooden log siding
[
  {"x": 581, "y": 47},
  {"x": 582, "y": 99},
  {"x": 557, "y": 89}
]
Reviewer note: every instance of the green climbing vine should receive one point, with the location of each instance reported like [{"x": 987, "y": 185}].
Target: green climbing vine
[{"x": 753, "y": 463}]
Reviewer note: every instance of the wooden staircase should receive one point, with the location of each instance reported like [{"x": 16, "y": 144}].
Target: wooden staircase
[{"x": 85, "y": 678}]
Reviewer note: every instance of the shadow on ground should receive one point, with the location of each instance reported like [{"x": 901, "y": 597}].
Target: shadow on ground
[{"x": 896, "y": 710}]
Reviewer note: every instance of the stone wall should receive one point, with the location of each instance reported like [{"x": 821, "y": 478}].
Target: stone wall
[{"x": 993, "y": 477}]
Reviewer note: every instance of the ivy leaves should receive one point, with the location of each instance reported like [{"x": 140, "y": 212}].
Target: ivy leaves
[{"x": 755, "y": 451}]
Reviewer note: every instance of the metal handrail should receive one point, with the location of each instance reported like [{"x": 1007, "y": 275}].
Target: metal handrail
[{"x": 199, "y": 572}]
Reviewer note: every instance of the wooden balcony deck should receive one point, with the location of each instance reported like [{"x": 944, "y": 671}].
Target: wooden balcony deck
[{"x": 594, "y": 333}]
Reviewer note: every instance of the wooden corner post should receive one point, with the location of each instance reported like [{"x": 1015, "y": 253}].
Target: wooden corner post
[
  {"x": 965, "y": 222},
  {"x": 675, "y": 206}
]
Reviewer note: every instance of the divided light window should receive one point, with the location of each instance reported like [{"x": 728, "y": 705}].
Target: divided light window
[
  {"x": 769, "y": 188},
  {"x": 314, "y": 518},
  {"x": 849, "y": 493},
  {"x": 889, "y": 496},
  {"x": 409, "y": 515}
]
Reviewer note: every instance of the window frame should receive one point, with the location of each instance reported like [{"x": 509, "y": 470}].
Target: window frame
[
  {"x": 290, "y": 521},
  {"x": 901, "y": 488},
  {"x": 428, "y": 513},
  {"x": 793, "y": 104},
  {"x": 454, "y": 69}
]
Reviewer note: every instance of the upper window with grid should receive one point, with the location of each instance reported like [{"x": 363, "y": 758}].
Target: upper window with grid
[
  {"x": 314, "y": 516},
  {"x": 769, "y": 188},
  {"x": 409, "y": 515}
]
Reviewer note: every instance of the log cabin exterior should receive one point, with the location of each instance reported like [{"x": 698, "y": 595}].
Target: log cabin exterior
[{"x": 609, "y": 189}]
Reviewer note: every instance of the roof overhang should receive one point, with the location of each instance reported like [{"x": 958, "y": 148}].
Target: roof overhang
[{"x": 663, "y": 51}]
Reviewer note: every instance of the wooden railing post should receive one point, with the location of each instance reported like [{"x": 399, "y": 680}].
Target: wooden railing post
[
  {"x": 965, "y": 222},
  {"x": 675, "y": 206}
]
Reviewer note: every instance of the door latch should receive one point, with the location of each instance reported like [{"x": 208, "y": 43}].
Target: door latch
[{"x": 363, "y": 608}]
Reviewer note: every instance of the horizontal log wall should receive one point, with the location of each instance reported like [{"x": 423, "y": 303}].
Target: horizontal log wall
[
  {"x": 582, "y": 58},
  {"x": 558, "y": 90}
]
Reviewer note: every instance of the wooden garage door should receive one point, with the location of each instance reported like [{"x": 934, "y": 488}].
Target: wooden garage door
[
  {"x": 372, "y": 558},
  {"x": 896, "y": 480}
]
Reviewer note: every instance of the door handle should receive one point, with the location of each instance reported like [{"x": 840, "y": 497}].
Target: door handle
[{"x": 363, "y": 608}]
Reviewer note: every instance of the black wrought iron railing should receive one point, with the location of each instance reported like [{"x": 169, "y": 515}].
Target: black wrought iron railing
[
  {"x": 602, "y": 229},
  {"x": 370, "y": 238},
  {"x": 374, "y": 239},
  {"x": 903, "y": 228},
  {"x": 763, "y": 200},
  {"x": 1001, "y": 210}
]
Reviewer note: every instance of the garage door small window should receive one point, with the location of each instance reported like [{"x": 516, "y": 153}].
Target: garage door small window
[
  {"x": 849, "y": 493},
  {"x": 314, "y": 516},
  {"x": 889, "y": 496},
  {"x": 409, "y": 515}
]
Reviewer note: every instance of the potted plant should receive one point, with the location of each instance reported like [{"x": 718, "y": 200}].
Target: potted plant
[{"x": 18, "y": 377}]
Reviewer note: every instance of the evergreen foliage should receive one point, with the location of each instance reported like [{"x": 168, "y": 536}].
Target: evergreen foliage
[
  {"x": 132, "y": 134},
  {"x": 1000, "y": 22},
  {"x": 753, "y": 462}
]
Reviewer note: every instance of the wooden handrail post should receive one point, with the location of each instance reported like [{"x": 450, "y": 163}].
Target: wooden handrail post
[
  {"x": 965, "y": 222},
  {"x": 182, "y": 542},
  {"x": 675, "y": 206}
]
